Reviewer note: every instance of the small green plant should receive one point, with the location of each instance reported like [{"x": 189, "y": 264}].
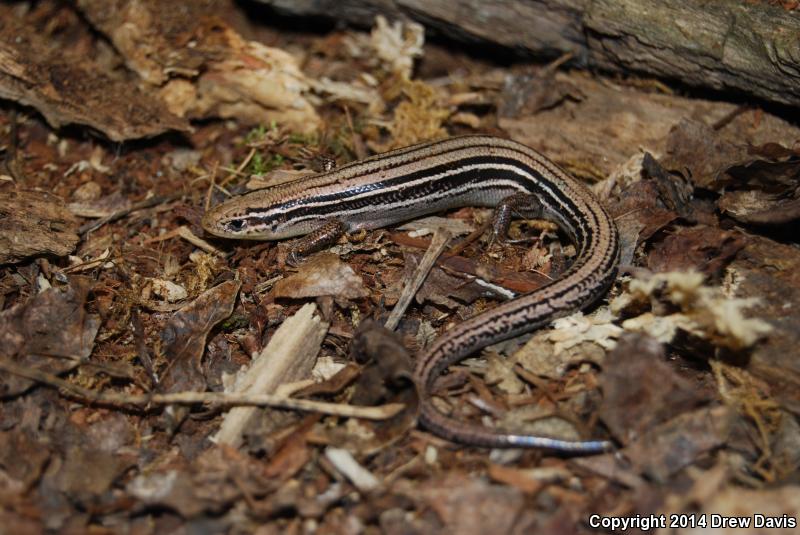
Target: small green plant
[
  {"x": 276, "y": 161},
  {"x": 256, "y": 135},
  {"x": 235, "y": 321},
  {"x": 259, "y": 165}
]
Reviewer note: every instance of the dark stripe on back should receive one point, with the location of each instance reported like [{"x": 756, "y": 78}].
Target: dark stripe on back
[{"x": 455, "y": 180}]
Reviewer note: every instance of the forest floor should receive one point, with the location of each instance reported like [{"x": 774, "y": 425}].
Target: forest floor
[{"x": 123, "y": 325}]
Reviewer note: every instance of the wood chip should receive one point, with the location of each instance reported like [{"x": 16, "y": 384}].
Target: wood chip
[
  {"x": 289, "y": 356},
  {"x": 358, "y": 475},
  {"x": 34, "y": 223}
]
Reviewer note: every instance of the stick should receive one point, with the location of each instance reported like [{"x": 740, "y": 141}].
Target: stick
[
  {"x": 141, "y": 205},
  {"x": 85, "y": 395},
  {"x": 438, "y": 244}
]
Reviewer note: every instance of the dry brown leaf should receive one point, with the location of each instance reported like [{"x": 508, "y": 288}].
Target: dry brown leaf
[
  {"x": 640, "y": 203},
  {"x": 323, "y": 274},
  {"x": 469, "y": 505},
  {"x": 51, "y": 331},
  {"x": 640, "y": 390},
  {"x": 209, "y": 484},
  {"x": 704, "y": 249},
  {"x": 85, "y": 472},
  {"x": 770, "y": 272},
  {"x": 184, "y": 337},
  {"x": 761, "y": 208},
  {"x": 760, "y": 183},
  {"x": 668, "y": 448}
]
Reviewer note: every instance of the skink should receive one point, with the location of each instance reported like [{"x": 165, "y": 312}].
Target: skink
[{"x": 408, "y": 183}]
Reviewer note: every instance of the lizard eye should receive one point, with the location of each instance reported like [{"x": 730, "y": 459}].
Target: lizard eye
[{"x": 236, "y": 225}]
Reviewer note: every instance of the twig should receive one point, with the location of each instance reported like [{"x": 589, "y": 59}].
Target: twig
[
  {"x": 458, "y": 248},
  {"x": 212, "y": 179},
  {"x": 555, "y": 64},
  {"x": 185, "y": 232},
  {"x": 521, "y": 282},
  {"x": 438, "y": 244},
  {"x": 730, "y": 116},
  {"x": 238, "y": 171},
  {"x": 141, "y": 345},
  {"x": 146, "y": 401},
  {"x": 141, "y": 205}
]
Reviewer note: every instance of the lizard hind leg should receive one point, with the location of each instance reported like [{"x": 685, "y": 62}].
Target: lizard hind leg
[{"x": 520, "y": 205}]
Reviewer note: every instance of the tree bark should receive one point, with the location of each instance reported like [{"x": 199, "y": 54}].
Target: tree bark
[{"x": 732, "y": 45}]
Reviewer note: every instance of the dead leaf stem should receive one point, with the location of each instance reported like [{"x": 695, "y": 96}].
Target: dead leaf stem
[{"x": 145, "y": 401}]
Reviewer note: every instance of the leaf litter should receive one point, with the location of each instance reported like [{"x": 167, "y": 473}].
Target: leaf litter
[{"x": 689, "y": 368}]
